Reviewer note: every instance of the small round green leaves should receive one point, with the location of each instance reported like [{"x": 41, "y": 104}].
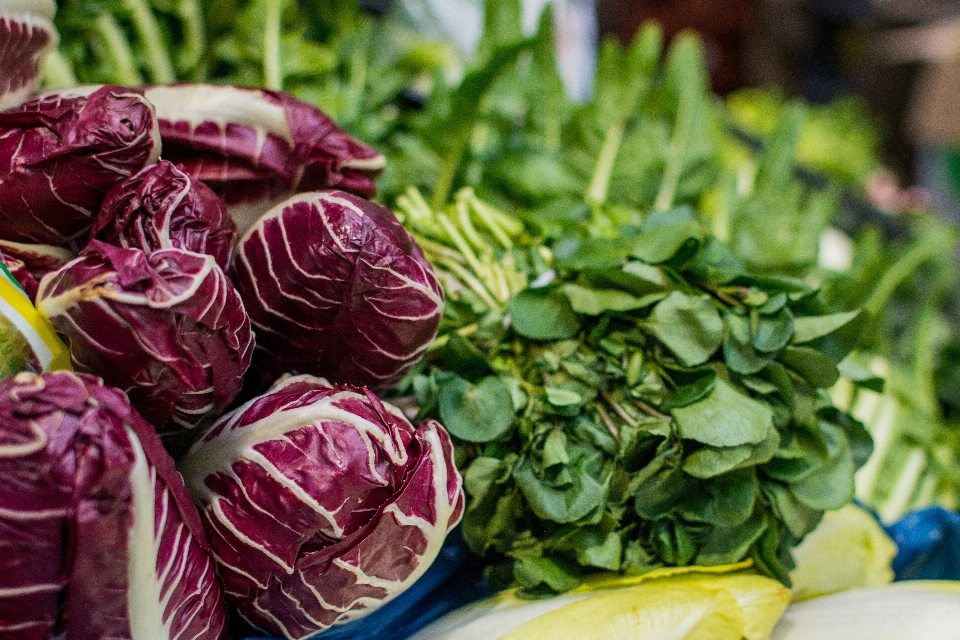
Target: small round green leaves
[
  {"x": 476, "y": 412},
  {"x": 543, "y": 314}
]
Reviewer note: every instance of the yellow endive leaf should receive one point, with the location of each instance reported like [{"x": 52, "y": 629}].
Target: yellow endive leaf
[
  {"x": 762, "y": 600},
  {"x": 654, "y": 612}
]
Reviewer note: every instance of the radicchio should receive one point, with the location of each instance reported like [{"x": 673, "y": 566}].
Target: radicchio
[
  {"x": 336, "y": 287},
  {"x": 166, "y": 326},
  {"x": 59, "y": 154},
  {"x": 255, "y": 147},
  {"x": 26, "y": 34},
  {"x": 99, "y": 536},
  {"x": 321, "y": 503},
  {"x": 28, "y": 263},
  {"x": 163, "y": 208}
]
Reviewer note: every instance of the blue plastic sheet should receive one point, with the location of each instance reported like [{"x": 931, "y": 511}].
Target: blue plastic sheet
[{"x": 928, "y": 544}]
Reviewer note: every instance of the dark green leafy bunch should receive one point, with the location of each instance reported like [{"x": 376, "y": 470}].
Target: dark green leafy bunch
[{"x": 629, "y": 402}]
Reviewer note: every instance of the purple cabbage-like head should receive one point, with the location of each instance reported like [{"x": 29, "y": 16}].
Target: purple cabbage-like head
[
  {"x": 162, "y": 207},
  {"x": 99, "y": 536},
  {"x": 27, "y": 33},
  {"x": 167, "y": 327},
  {"x": 336, "y": 287},
  {"x": 28, "y": 263},
  {"x": 64, "y": 152},
  {"x": 321, "y": 503},
  {"x": 256, "y": 148}
]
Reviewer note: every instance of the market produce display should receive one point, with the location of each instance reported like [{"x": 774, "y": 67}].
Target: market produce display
[{"x": 594, "y": 344}]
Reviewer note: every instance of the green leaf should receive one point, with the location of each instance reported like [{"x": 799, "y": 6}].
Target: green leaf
[
  {"x": 725, "y": 418},
  {"x": 555, "y": 449},
  {"x": 725, "y": 545},
  {"x": 560, "y": 397},
  {"x": 709, "y": 462},
  {"x": 561, "y": 505},
  {"x": 742, "y": 357},
  {"x": 860, "y": 375},
  {"x": 532, "y": 571},
  {"x": 543, "y": 314},
  {"x": 832, "y": 485},
  {"x": 476, "y": 413},
  {"x": 463, "y": 358},
  {"x": 604, "y": 554},
  {"x": 664, "y": 243},
  {"x": 819, "y": 370},
  {"x": 593, "y": 302},
  {"x": 773, "y": 332},
  {"x": 799, "y": 518},
  {"x": 481, "y": 474},
  {"x": 689, "y": 326},
  {"x": 812, "y": 327}
]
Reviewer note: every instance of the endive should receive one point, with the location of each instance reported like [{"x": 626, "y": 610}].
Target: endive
[
  {"x": 921, "y": 610},
  {"x": 693, "y": 603}
]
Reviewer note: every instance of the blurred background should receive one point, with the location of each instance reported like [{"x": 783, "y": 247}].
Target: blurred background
[{"x": 897, "y": 61}]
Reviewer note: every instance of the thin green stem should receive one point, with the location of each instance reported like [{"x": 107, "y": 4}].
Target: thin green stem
[
  {"x": 677, "y": 154},
  {"x": 272, "y": 75},
  {"x": 194, "y": 36},
  {"x": 158, "y": 56},
  {"x": 603, "y": 170},
  {"x": 118, "y": 49},
  {"x": 899, "y": 272}
]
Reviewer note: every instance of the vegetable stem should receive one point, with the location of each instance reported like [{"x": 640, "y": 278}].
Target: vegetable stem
[
  {"x": 194, "y": 36},
  {"x": 118, "y": 49},
  {"x": 272, "y": 76},
  {"x": 603, "y": 171},
  {"x": 900, "y": 271},
  {"x": 158, "y": 56},
  {"x": 676, "y": 154}
]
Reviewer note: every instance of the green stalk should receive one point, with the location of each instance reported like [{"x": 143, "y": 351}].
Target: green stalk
[
  {"x": 57, "y": 71},
  {"x": 118, "y": 49},
  {"x": 272, "y": 76},
  {"x": 158, "y": 56},
  {"x": 678, "y": 145},
  {"x": 603, "y": 171},
  {"x": 194, "y": 35},
  {"x": 900, "y": 272}
]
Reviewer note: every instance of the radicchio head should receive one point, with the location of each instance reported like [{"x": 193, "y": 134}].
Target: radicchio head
[
  {"x": 336, "y": 287},
  {"x": 99, "y": 536},
  {"x": 166, "y": 326},
  {"x": 321, "y": 503},
  {"x": 65, "y": 152},
  {"x": 26, "y": 34},
  {"x": 162, "y": 207},
  {"x": 255, "y": 147}
]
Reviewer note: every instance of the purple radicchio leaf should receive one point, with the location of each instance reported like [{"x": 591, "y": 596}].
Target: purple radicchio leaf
[
  {"x": 26, "y": 34},
  {"x": 161, "y": 207},
  {"x": 28, "y": 263},
  {"x": 167, "y": 327},
  {"x": 66, "y": 151},
  {"x": 321, "y": 503},
  {"x": 256, "y": 148},
  {"x": 100, "y": 537},
  {"x": 336, "y": 287}
]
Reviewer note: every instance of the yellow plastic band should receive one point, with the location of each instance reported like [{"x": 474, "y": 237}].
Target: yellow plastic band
[{"x": 36, "y": 328}]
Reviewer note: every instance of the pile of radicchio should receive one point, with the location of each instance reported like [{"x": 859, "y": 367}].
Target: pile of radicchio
[{"x": 120, "y": 210}]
